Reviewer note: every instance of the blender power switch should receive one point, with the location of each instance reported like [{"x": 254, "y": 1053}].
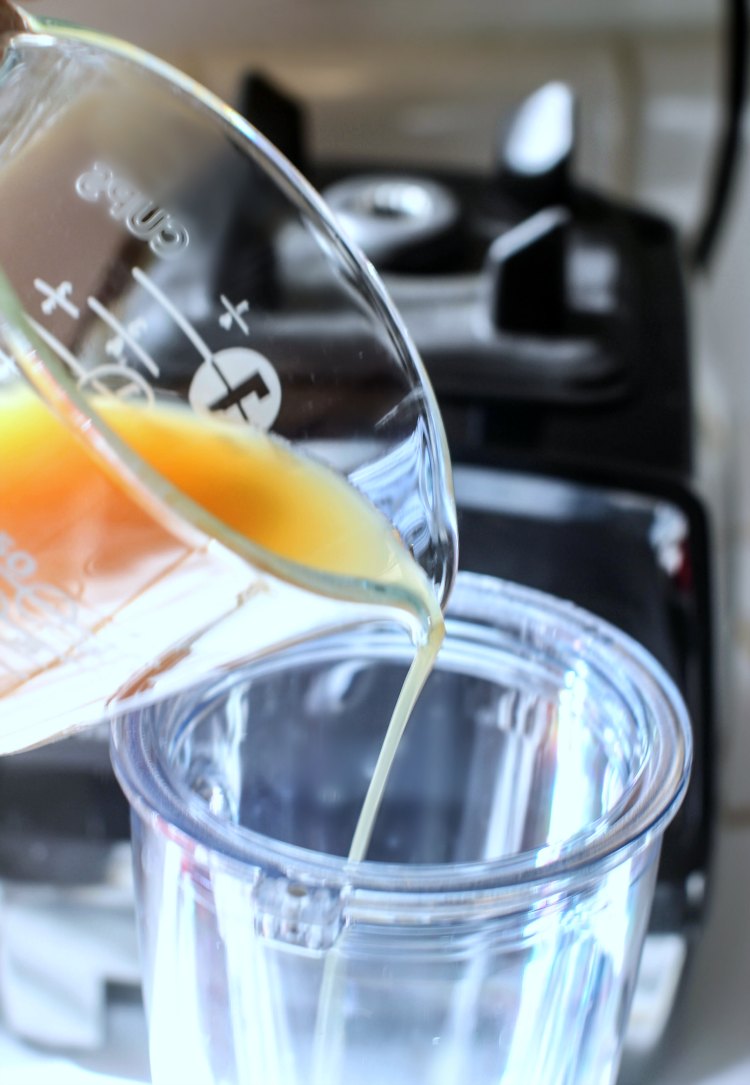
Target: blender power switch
[{"x": 527, "y": 271}]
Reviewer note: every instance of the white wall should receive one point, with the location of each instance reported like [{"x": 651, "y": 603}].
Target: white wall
[{"x": 189, "y": 23}]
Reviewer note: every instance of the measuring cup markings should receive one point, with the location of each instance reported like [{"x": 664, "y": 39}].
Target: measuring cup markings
[
  {"x": 115, "y": 347},
  {"x": 124, "y": 335},
  {"x": 143, "y": 218},
  {"x": 94, "y": 378},
  {"x": 236, "y": 381},
  {"x": 251, "y": 384},
  {"x": 16, "y": 568},
  {"x": 233, "y": 314},
  {"x": 25, "y": 602},
  {"x": 57, "y": 297}
]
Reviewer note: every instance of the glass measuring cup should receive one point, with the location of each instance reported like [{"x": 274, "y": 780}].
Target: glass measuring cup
[{"x": 158, "y": 253}]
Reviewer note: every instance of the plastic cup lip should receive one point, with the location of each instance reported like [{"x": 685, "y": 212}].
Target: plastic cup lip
[{"x": 638, "y": 819}]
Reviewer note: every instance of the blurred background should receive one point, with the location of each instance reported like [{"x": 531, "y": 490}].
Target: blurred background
[{"x": 436, "y": 85}]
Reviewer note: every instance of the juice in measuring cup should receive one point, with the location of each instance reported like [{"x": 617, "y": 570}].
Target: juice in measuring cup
[{"x": 78, "y": 551}]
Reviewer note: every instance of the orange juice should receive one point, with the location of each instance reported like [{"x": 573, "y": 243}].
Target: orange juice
[
  {"x": 60, "y": 506},
  {"x": 80, "y": 548}
]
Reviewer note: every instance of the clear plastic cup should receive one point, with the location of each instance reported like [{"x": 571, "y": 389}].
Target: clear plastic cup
[{"x": 493, "y": 933}]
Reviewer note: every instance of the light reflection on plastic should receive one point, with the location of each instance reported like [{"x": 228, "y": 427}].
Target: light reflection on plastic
[
  {"x": 171, "y": 1012},
  {"x": 610, "y": 915},
  {"x": 570, "y": 801}
]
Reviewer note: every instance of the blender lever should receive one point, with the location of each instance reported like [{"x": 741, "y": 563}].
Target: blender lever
[{"x": 536, "y": 153}]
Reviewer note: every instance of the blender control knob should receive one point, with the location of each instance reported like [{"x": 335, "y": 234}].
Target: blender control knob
[
  {"x": 399, "y": 221},
  {"x": 526, "y": 265},
  {"x": 537, "y": 151}
]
